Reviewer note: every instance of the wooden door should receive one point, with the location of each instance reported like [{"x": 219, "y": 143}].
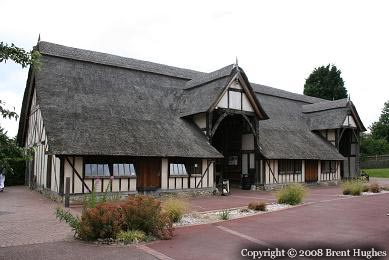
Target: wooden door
[
  {"x": 149, "y": 174},
  {"x": 311, "y": 167}
]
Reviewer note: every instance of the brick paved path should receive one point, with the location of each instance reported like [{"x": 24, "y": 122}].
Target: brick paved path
[{"x": 26, "y": 217}]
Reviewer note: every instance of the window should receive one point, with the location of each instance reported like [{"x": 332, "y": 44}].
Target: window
[
  {"x": 185, "y": 167},
  {"x": 123, "y": 169},
  {"x": 97, "y": 170},
  {"x": 289, "y": 166},
  {"x": 93, "y": 168},
  {"x": 328, "y": 166}
]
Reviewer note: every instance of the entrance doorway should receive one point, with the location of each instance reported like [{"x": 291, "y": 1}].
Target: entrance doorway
[
  {"x": 149, "y": 174},
  {"x": 311, "y": 171},
  {"x": 235, "y": 140}
]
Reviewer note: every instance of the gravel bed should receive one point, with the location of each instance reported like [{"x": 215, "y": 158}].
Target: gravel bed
[{"x": 196, "y": 218}]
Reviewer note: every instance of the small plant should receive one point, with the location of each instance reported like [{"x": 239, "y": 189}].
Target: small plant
[
  {"x": 257, "y": 206},
  {"x": 365, "y": 188},
  {"x": 66, "y": 216},
  {"x": 224, "y": 214},
  {"x": 374, "y": 187},
  {"x": 175, "y": 209},
  {"x": 131, "y": 236},
  {"x": 292, "y": 194},
  {"x": 354, "y": 187}
]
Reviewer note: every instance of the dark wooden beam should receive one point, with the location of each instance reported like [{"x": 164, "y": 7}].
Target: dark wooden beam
[{"x": 78, "y": 175}]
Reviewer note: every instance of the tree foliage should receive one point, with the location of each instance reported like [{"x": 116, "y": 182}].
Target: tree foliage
[
  {"x": 19, "y": 55},
  {"x": 11, "y": 155},
  {"x": 373, "y": 146},
  {"x": 325, "y": 82},
  {"x": 380, "y": 129}
]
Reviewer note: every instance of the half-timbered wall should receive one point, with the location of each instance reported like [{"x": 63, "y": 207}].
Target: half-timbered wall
[
  {"x": 79, "y": 184},
  {"x": 271, "y": 167},
  {"x": 326, "y": 176},
  {"x": 187, "y": 181},
  {"x": 43, "y": 171},
  {"x": 235, "y": 98}
]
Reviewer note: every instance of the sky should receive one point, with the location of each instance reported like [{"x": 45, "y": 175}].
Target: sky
[{"x": 278, "y": 43}]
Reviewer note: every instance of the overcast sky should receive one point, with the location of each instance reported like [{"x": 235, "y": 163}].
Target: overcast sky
[{"x": 278, "y": 43}]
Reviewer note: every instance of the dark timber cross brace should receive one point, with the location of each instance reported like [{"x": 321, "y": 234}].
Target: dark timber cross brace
[
  {"x": 202, "y": 176},
  {"x": 271, "y": 171},
  {"x": 78, "y": 175}
]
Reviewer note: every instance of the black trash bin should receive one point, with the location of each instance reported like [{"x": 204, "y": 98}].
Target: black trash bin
[{"x": 246, "y": 185}]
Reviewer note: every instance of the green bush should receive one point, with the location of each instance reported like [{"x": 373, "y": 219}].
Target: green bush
[
  {"x": 224, "y": 215},
  {"x": 292, "y": 194},
  {"x": 353, "y": 187},
  {"x": 175, "y": 208},
  {"x": 257, "y": 206},
  {"x": 107, "y": 220},
  {"x": 374, "y": 187},
  {"x": 365, "y": 188},
  {"x": 131, "y": 236}
]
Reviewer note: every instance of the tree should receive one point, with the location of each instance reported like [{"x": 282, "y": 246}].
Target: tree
[
  {"x": 10, "y": 153},
  {"x": 380, "y": 129},
  {"x": 325, "y": 82},
  {"x": 19, "y": 55},
  {"x": 373, "y": 146}
]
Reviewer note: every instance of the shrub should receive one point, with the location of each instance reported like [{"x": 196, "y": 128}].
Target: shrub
[
  {"x": 386, "y": 188},
  {"x": 105, "y": 220},
  {"x": 143, "y": 213},
  {"x": 365, "y": 188},
  {"x": 353, "y": 187},
  {"x": 224, "y": 215},
  {"x": 374, "y": 187},
  {"x": 131, "y": 236},
  {"x": 292, "y": 194},
  {"x": 91, "y": 200},
  {"x": 257, "y": 206},
  {"x": 175, "y": 209},
  {"x": 72, "y": 221}
]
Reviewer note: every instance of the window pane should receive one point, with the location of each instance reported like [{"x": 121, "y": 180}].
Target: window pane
[{"x": 132, "y": 170}]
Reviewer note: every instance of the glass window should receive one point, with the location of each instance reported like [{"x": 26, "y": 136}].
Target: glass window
[
  {"x": 289, "y": 166},
  {"x": 177, "y": 169},
  {"x": 97, "y": 170},
  {"x": 123, "y": 169},
  {"x": 328, "y": 166}
]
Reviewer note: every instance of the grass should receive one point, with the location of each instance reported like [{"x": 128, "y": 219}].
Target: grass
[
  {"x": 224, "y": 215},
  {"x": 175, "y": 208},
  {"x": 379, "y": 173},
  {"x": 292, "y": 194},
  {"x": 353, "y": 187}
]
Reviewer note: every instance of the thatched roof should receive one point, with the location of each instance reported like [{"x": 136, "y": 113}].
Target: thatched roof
[
  {"x": 331, "y": 114},
  {"x": 286, "y": 134},
  {"x": 100, "y": 104}
]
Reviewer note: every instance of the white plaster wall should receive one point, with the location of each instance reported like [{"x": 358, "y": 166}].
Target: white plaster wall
[
  {"x": 164, "y": 173},
  {"x": 235, "y": 100},
  {"x": 349, "y": 121},
  {"x": 246, "y": 105},
  {"x": 223, "y": 103},
  {"x": 200, "y": 120}
]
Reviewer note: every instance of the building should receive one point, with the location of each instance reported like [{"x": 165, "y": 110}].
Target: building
[{"x": 99, "y": 118}]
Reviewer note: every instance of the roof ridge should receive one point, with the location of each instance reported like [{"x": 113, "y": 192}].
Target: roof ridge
[
  {"x": 62, "y": 51},
  {"x": 284, "y": 94},
  {"x": 209, "y": 77}
]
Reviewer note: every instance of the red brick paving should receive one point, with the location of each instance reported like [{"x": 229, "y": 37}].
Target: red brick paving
[
  {"x": 342, "y": 222},
  {"x": 29, "y": 230},
  {"x": 26, "y": 217}
]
